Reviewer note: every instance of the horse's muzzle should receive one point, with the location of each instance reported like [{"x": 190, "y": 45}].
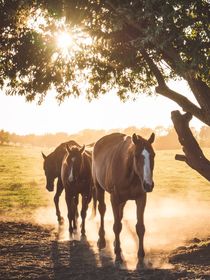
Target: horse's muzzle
[
  {"x": 50, "y": 188},
  {"x": 148, "y": 187}
]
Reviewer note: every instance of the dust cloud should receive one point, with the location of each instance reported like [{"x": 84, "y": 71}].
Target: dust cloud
[{"x": 169, "y": 222}]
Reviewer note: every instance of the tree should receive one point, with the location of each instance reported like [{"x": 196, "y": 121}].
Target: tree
[
  {"x": 136, "y": 46},
  {"x": 4, "y": 137}
]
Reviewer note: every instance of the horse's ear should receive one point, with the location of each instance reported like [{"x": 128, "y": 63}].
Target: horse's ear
[
  {"x": 68, "y": 149},
  {"x": 152, "y": 138},
  {"x": 135, "y": 139},
  {"x": 82, "y": 149},
  {"x": 44, "y": 157}
]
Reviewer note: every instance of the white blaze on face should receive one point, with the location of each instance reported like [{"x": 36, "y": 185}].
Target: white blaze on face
[
  {"x": 71, "y": 177},
  {"x": 147, "y": 169}
]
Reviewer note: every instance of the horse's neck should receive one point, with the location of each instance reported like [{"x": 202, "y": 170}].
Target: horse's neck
[
  {"x": 57, "y": 159},
  {"x": 131, "y": 175},
  {"x": 85, "y": 168}
]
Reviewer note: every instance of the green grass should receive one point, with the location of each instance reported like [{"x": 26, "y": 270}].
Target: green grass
[
  {"x": 177, "y": 178},
  {"x": 22, "y": 180}
]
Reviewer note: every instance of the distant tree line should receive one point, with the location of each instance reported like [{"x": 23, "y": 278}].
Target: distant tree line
[
  {"x": 166, "y": 138},
  {"x": 4, "y": 137}
]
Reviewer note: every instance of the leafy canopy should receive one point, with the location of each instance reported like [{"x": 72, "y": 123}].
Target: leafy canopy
[{"x": 129, "y": 46}]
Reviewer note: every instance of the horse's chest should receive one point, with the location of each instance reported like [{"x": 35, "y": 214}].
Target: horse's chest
[
  {"x": 128, "y": 191},
  {"x": 81, "y": 186}
]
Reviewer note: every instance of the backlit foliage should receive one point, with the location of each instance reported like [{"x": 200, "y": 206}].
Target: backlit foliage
[{"x": 107, "y": 49}]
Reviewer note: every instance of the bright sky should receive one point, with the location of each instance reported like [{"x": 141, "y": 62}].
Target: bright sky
[{"x": 74, "y": 115}]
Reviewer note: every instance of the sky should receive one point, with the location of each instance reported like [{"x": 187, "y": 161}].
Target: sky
[{"x": 75, "y": 114}]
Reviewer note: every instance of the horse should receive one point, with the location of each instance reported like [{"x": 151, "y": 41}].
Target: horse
[
  {"x": 52, "y": 168},
  {"x": 123, "y": 166},
  {"x": 76, "y": 176}
]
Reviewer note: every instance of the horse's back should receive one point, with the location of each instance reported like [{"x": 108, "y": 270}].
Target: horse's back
[
  {"x": 107, "y": 142},
  {"x": 109, "y": 155},
  {"x": 61, "y": 149}
]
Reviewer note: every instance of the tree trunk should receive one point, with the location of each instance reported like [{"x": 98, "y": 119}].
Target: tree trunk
[{"x": 194, "y": 156}]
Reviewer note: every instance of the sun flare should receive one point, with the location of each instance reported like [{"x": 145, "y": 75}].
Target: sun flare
[{"x": 64, "y": 40}]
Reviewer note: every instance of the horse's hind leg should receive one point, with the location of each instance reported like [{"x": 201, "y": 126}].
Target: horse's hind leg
[
  {"x": 140, "y": 228},
  {"x": 56, "y": 201},
  {"x": 102, "y": 209},
  {"x": 117, "y": 227}
]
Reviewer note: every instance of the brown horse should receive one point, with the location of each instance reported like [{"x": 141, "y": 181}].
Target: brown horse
[
  {"x": 123, "y": 166},
  {"x": 52, "y": 168},
  {"x": 77, "y": 179}
]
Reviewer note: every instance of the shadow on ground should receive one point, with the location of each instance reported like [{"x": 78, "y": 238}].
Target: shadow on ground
[{"x": 29, "y": 251}]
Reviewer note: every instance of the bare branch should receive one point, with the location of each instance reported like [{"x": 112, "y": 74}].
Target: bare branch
[
  {"x": 180, "y": 157},
  {"x": 183, "y": 102},
  {"x": 194, "y": 156}
]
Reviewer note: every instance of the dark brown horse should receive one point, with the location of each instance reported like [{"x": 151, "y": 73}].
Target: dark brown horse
[
  {"x": 52, "y": 168},
  {"x": 123, "y": 166},
  {"x": 76, "y": 177}
]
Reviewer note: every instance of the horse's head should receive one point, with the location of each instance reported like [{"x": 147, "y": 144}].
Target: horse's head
[
  {"x": 144, "y": 160},
  {"x": 74, "y": 160},
  {"x": 49, "y": 167}
]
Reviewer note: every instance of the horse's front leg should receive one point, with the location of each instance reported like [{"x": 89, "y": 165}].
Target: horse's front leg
[
  {"x": 140, "y": 229},
  {"x": 117, "y": 227},
  {"x": 75, "y": 202},
  {"x": 85, "y": 201},
  {"x": 59, "y": 190},
  {"x": 69, "y": 203}
]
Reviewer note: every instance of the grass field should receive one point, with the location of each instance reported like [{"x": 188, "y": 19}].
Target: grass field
[
  {"x": 177, "y": 211},
  {"x": 22, "y": 180}
]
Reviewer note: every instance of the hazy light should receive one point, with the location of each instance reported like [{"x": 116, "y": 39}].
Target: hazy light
[
  {"x": 36, "y": 20},
  {"x": 64, "y": 40}
]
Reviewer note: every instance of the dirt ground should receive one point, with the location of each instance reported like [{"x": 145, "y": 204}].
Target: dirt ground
[{"x": 31, "y": 251}]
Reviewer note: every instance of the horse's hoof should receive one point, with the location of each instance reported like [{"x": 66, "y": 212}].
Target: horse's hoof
[
  {"x": 61, "y": 221},
  {"x": 83, "y": 238},
  {"x": 120, "y": 264},
  {"x": 101, "y": 244},
  {"x": 71, "y": 234},
  {"x": 140, "y": 265}
]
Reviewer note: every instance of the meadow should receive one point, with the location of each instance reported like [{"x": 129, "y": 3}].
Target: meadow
[
  {"x": 177, "y": 212},
  {"x": 22, "y": 180}
]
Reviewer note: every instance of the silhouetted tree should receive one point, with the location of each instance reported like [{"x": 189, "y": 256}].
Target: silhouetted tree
[
  {"x": 4, "y": 137},
  {"x": 137, "y": 45}
]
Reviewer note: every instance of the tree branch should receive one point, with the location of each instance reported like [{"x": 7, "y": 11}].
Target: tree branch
[
  {"x": 194, "y": 156},
  {"x": 180, "y": 157},
  {"x": 163, "y": 89},
  {"x": 153, "y": 67},
  {"x": 202, "y": 93},
  {"x": 172, "y": 57},
  {"x": 183, "y": 102}
]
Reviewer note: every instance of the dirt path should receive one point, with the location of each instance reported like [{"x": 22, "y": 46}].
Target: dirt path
[{"x": 29, "y": 251}]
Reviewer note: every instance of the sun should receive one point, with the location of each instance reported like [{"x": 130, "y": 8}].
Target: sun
[{"x": 64, "y": 40}]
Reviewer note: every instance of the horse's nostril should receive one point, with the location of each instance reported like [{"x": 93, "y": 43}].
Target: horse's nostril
[
  {"x": 50, "y": 188},
  {"x": 148, "y": 187}
]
